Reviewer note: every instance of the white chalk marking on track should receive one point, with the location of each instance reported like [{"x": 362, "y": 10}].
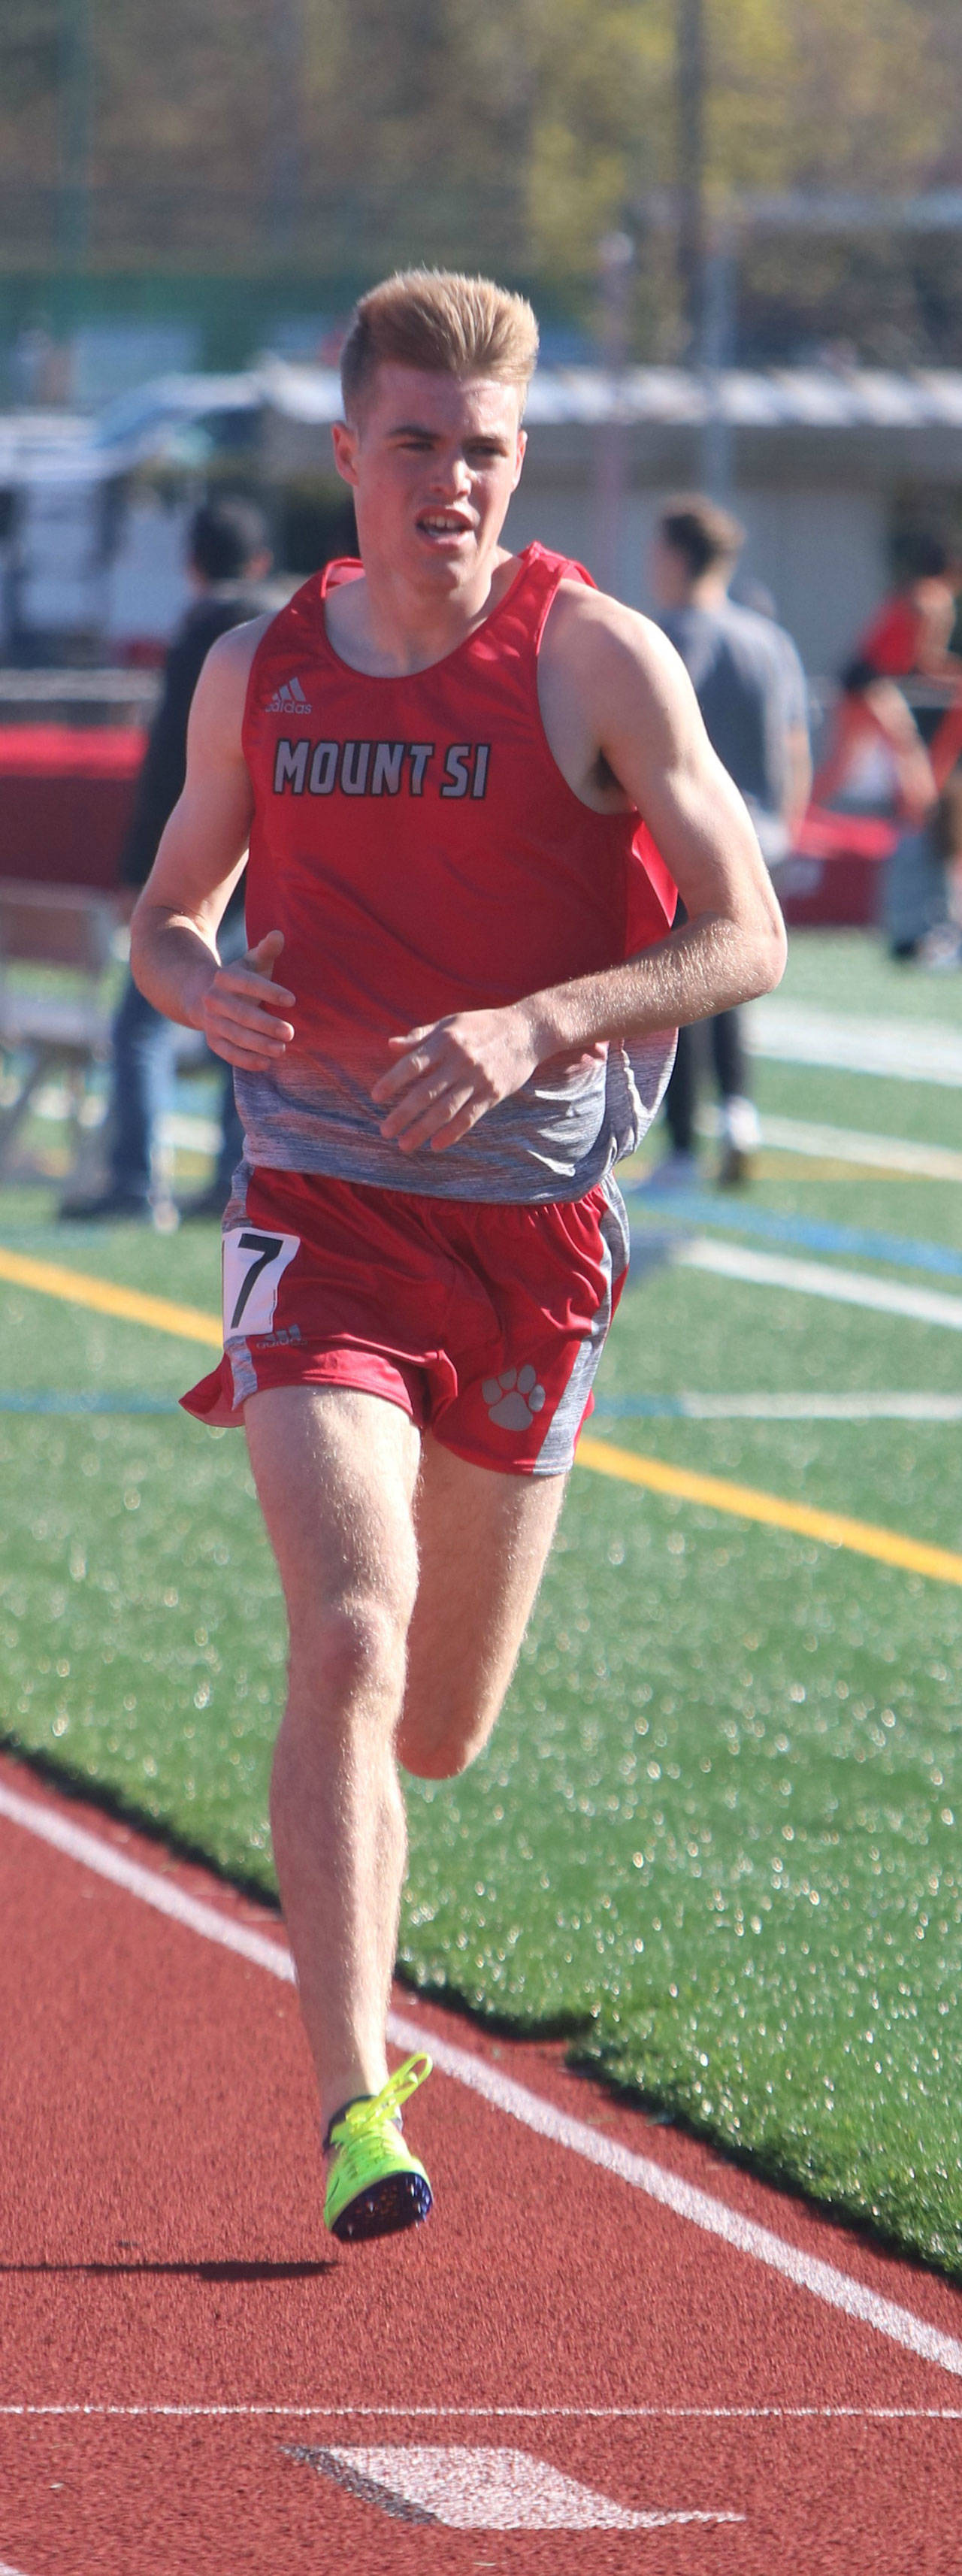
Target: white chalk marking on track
[
  {"x": 6, "y": 2570},
  {"x": 474, "y": 2489},
  {"x": 511, "y": 2414},
  {"x": 818, "y": 1279},
  {"x": 806, "y": 2271},
  {"x": 908, "y": 1050}
]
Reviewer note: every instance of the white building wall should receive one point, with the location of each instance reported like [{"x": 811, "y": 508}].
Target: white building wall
[
  {"x": 822, "y": 554},
  {"x": 146, "y": 587}
]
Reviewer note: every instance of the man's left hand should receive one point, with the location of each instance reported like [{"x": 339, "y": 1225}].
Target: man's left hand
[{"x": 443, "y": 1078}]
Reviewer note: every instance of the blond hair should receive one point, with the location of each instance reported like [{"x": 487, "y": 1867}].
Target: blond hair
[{"x": 446, "y": 324}]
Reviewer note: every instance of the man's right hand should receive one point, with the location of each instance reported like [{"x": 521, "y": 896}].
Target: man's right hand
[{"x": 240, "y": 1008}]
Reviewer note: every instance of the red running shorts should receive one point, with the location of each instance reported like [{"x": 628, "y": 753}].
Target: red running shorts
[{"x": 485, "y": 1323}]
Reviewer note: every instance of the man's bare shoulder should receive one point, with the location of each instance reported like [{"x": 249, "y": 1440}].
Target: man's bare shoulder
[
  {"x": 598, "y": 642},
  {"x": 221, "y": 692},
  {"x": 231, "y": 656},
  {"x": 591, "y": 624}
]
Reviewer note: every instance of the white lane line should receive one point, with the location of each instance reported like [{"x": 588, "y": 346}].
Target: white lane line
[
  {"x": 857, "y": 1145},
  {"x": 512, "y": 2414},
  {"x": 6, "y": 2570},
  {"x": 482, "y": 2490},
  {"x": 149, "y": 1884},
  {"x": 908, "y": 1050},
  {"x": 818, "y": 1279},
  {"x": 806, "y": 2271}
]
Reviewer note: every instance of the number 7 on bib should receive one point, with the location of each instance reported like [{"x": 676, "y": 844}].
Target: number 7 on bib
[{"x": 254, "y": 1265}]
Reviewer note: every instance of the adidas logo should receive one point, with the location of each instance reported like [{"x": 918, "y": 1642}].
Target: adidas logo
[{"x": 289, "y": 700}]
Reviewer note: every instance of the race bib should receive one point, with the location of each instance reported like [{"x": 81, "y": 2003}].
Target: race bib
[{"x": 254, "y": 1265}]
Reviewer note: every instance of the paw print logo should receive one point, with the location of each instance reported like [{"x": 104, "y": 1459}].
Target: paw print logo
[{"x": 514, "y": 1398}]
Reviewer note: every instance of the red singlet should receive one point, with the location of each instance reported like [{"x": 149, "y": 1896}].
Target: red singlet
[
  {"x": 891, "y": 641},
  {"x": 417, "y": 844}
]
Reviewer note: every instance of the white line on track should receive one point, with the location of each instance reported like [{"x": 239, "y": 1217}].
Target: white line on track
[
  {"x": 5, "y": 2570},
  {"x": 700, "y": 2208},
  {"x": 515, "y": 2414},
  {"x": 818, "y": 1279}
]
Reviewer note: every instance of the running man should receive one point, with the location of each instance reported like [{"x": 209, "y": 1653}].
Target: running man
[
  {"x": 908, "y": 637},
  {"x": 457, "y": 1009}
]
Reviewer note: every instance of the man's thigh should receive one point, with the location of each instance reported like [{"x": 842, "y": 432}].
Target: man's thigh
[
  {"x": 483, "y": 1542},
  {"x": 335, "y": 1471}
]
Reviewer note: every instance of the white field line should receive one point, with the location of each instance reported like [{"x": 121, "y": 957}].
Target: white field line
[
  {"x": 183, "y": 1129},
  {"x": 700, "y": 2208},
  {"x": 853, "y": 1145},
  {"x": 805, "y": 1407},
  {"x": 819, "y": 1279},
  {"x": 908, "y": 1050}
]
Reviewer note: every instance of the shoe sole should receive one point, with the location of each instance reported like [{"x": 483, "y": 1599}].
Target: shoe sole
[{"x": 401, "y": 2200}]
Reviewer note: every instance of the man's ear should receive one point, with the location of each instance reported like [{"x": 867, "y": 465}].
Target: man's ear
[
  {"x": 522, "y": 445},
  {"x": 344, "y": 440}
]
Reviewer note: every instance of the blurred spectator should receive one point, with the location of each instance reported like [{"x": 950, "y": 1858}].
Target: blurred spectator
[
  {"x": 751, "y": 689},
  {"x": 227, "y": 566},
  {"x": 921, "y": 913}
]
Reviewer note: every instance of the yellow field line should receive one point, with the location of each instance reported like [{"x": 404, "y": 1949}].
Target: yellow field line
[
  {"x": 79, "y": 1289},
  {"x": 832, "y": 1529}
]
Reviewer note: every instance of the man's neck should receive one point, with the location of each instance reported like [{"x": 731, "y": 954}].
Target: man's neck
[
  {"x": 389, "y": 628},
  {"x": 708, "y": 590}
]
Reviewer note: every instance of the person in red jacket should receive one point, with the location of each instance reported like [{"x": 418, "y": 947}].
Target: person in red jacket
[
  {"x": 908, "y": 637},
  {"x": 470, "y": 786}
]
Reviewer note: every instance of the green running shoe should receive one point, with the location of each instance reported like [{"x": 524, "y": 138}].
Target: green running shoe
[{"x": 375, "y": 2185}]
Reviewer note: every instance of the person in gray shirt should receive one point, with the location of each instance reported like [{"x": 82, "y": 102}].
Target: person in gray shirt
[{"x": 751, "y": 689}]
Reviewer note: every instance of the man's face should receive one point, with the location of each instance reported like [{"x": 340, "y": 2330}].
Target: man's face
[{"x": 432, "y": 461}]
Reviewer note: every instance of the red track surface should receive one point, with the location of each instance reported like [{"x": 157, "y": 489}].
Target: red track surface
[{"x": 160, "y": 2244}]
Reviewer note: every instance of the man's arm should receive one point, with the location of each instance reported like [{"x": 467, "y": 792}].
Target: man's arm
[
  {"x": 629, "y": 693},
  {"x": 162, "y": 775},
  {"x": 201, "y": 856}
]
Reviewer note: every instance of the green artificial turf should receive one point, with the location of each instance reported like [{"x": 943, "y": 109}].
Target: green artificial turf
[
  {"x": 842, "y": 970},
  {"x": 714, "y": 1836}
]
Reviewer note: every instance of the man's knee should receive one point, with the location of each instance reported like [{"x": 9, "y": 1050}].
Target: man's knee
[
  {"x": 438, "y": 1745},
  {"x": 350, "y": 1653}
]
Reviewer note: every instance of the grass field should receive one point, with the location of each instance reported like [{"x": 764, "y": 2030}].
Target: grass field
[{"x": 714, "y": 1838}]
